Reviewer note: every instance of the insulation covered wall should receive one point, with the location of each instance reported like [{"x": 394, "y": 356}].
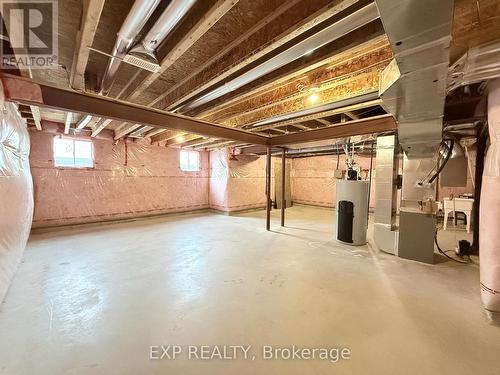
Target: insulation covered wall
[
  {"x": 16, "y": 192},
  {"x": 236, "y": 185},
  {"x": 219, "y": 175},
  {"x": 128, "y": 180},
  {"x": 313, "y": 180},
  {"x": 246, "y": 184}
]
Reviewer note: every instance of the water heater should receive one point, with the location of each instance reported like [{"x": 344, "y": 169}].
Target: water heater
[{"x": 351, "y": 206}]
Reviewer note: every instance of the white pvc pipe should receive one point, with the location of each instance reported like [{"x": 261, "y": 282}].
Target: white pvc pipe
[{"x": 489, "y": 210}]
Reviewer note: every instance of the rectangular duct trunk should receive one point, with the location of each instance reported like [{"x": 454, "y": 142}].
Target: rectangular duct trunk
[{"x": 385, "y": 235}]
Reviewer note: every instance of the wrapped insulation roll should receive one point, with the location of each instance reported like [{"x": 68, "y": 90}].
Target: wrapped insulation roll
[{"x": 489, "y": 242}]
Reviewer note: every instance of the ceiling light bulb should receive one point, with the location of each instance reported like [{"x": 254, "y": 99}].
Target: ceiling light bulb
[
  {"x": 180, "y": 139},
  {"x": 313, "y": 98}
]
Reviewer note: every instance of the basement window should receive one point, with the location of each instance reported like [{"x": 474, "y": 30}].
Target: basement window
[
  {"x": 72, "y": 153},
  {"x": 189, "y": 161}
]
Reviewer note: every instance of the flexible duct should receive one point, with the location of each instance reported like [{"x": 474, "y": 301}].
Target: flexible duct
[
  {"x": 136, "y": 19},
  {"x": 489, "y": 210}
]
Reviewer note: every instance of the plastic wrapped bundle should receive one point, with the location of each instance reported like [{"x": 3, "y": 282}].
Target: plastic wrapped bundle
[
  {"x": 489, "y": 243},
  {"x": 16, "y": 192}
]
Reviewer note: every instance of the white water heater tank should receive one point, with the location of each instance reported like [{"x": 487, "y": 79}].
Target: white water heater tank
[{"x": 351, "y": 206}]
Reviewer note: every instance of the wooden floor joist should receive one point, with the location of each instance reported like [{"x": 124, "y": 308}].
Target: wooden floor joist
[
  {"x": 287, "y": 36},
  {"x": 377, "y": 124}
]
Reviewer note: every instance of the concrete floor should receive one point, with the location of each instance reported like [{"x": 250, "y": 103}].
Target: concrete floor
[{"x": 93, "y": 300}]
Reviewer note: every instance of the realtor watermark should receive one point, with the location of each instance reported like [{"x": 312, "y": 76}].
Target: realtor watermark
[
  {"x": 30, "y": 35},
  {"x": 247, "y": 352}
]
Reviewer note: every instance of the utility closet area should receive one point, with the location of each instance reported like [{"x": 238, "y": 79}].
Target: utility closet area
[{"x": 250, "y": 186}]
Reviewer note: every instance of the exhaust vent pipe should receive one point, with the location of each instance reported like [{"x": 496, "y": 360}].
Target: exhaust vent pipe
[
  {"x": 143, "y": 54},
  {"x": 136, "y": 19}
]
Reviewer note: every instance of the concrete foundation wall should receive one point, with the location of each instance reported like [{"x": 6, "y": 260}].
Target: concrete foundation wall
[{"x": 128, "y": 180}]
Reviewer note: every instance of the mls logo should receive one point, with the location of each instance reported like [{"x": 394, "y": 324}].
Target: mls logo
[{"x": 31, "y": 29}]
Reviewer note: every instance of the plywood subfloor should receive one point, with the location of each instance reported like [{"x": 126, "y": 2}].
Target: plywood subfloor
[{"x": 93, "y": 300}]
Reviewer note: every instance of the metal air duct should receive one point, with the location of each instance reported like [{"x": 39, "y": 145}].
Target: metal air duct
[
  {"x": 143, "y": 54},
  {"x": 386, "y": 172},
  {"x": 478, "y": 64},
  {"x": 413, "y": 86},
  {"x": 336, "y": 30},
  {"x": 136, "y": 19}
]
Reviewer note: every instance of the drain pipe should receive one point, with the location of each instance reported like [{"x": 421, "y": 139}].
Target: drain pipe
[{"x": 137, "y": 17}]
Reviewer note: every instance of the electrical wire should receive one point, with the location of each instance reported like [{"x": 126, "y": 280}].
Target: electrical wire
[
  {"x": 439, "y": 165},
  {"x": 446, "y": 158},
  {"x": 446, "y": 255}
]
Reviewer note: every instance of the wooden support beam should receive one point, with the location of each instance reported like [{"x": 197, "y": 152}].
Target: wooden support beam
[
  {"x": 352, "y": 115},
  {"x": 99, "y": 126},
  {"x": 283, "y": 175},
  {"x": 268, "y": 188},
  {"x": 35, "y": 111},
  {"x": 377, "y": 124},
  {"x": 303, "y": 127},
  {"x": 166, "y": 136},
  {"x": 181, "y": 139},
  {"x": 317, "y": 115},
  {"x": 219, "y": 9},
  {"x": 92, "y": 10},
  {"x": 154, "y": 132},
  {"x": 25, "y": 91},
  {"x": 84, "y": 121},
  {"x": 215, "y": 145},
  {"x": 199, "y": 142},
  {"x": 67, "y": 122},
  {"x": 126, "y": 130},
  {"x": 323, "y": 122},
  {"x": 139, "y": 132}
]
